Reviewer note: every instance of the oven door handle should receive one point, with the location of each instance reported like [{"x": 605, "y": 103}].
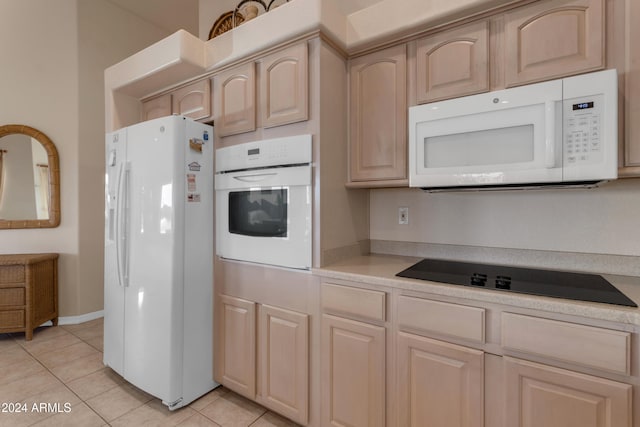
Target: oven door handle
[{"x": 255, "y": 178}]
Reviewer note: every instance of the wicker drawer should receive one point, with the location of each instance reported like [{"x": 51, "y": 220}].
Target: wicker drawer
[
  {"x": 589, "y": 346},
  {"x": 454, "y": 320},
  {"x": 11, "y": 319},
  {"x": 11, "y": 274},
  {"x": 11, "y": 296},
  {"x": 28, "y": 292},
  {"x": 345, "y": 300}
]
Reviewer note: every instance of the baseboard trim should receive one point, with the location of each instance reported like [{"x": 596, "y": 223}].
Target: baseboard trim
[{"x": 74, "y": 320}]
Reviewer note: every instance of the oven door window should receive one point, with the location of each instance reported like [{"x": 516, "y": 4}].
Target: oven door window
[{"x": 259, "y": 213}]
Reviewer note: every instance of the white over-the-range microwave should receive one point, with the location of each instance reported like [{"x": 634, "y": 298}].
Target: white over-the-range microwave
[{"x": 562, "y": 133}]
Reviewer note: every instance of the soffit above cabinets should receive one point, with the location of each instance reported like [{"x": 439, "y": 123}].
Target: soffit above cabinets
[{"x": 349, "y": 7}]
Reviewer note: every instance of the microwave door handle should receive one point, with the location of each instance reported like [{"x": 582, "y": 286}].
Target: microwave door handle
[
  {"x": 255, "y": 178},
  {"x": 550, "y": 134}
]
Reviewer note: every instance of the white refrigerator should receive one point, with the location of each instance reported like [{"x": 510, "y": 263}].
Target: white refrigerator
[{"x": 158, "y": 266}]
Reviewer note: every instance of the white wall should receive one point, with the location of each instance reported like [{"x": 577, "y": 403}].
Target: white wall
[
  {"x": 600, "y": 221},
  {"x": 38, "y": 82},
  {"x": 54, "y": 55}
]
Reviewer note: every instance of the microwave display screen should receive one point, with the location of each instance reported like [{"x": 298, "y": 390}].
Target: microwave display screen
[
  {"x": 259, "y": 213},
  {"x": 583, "y": 105}
]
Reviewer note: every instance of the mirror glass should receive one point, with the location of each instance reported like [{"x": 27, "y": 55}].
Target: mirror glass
[{"x": 29, "y": 179}]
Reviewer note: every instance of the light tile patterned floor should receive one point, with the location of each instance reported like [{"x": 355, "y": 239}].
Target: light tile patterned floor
[{"x": 60, "y": 380}]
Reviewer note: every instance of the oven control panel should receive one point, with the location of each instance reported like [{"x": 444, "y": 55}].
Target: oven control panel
[{"x": 275, "y": 152}]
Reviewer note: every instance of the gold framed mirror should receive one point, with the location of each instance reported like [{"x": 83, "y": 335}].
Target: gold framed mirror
[{"x": 29, "y": 179}]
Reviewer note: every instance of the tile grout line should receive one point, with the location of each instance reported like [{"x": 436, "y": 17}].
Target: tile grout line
[
  {"x": 77, "y": 332},
  {"x": 60, "y": 379},
  {"x": 82, "y": 400}
]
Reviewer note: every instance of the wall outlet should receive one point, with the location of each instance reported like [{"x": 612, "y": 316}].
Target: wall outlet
[{"x": 403, "y": 216}]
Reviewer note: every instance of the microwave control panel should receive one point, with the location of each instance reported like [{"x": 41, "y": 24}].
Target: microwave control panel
[{"x": 583, "y": 130}]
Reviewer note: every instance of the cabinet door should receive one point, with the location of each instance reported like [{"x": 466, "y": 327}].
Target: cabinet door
[
  {"x": 353, "y": 373},
  {"x": 238, "y": 339},
  {"x": 235, "y": 100},
  {"x": 544, "y": 396},
  {"x": 550, "y": 39},
  {"x": 453, "y": 63},
  {"x": 193, "y": 100},
  {"x": 631, "y": 154},
  {"x": 284, "y": 86},
  {"x": 378, "y": 110},
  {"x": 440, "y": 384},
  {"x": 156, "y": 107},
  {"x": 284, "y": 362}
]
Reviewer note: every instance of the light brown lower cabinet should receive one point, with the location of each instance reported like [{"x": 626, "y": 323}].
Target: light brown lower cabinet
[
  {"x": 284, "y": 361},
  {"x": 543, "y": 396},
  {"x": 282, "y": 337},
  {"x": 353, "y": 373},
  {"x": 238, "y": 337},
  {"x": 439, "y": 384}
]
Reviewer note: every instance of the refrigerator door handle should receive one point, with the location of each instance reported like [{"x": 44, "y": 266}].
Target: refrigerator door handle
[
  {"x": 122, "y": 222},
  {"x": 118, "y": 224},
  {"x": 125, "y": 223}
]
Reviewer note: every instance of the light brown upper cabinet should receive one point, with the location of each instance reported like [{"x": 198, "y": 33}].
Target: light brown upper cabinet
[
  {"x": 378, "y": 117},
  {"x": 631, "y": 154},
  {"x": 453, "y": 63},
  {"x": 234, "y": 96},
  {"x": 193, "y": 100},
  {"x": 551, "y": 39},
  {"x": 156, "y": 107},
  {"x": 284, "y": 86}
]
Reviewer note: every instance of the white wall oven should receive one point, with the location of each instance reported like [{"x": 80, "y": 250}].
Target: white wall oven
[
  {"x": 263, "y": 202},
  {"x": 561, "y": 132}
]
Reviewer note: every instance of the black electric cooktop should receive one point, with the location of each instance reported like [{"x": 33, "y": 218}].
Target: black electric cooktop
[{"x": 550, "y": 283}]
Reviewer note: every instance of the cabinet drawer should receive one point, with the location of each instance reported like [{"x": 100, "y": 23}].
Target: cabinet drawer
[
  {"x": 353, "y": 301},
  {"x": 12, "y": 319},
  {"x": 11, "y": 273},
  {"x": 11, "y": 296},
  {"x": 588, "y": 346},
  {"x": 459, "y": 321}
]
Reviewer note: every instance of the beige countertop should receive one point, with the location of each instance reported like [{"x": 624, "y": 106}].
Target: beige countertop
[{"x": 381, "y": 270}]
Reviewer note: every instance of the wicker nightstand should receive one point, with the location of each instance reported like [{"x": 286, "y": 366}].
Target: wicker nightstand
[{"x": 28, "y": 292}]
